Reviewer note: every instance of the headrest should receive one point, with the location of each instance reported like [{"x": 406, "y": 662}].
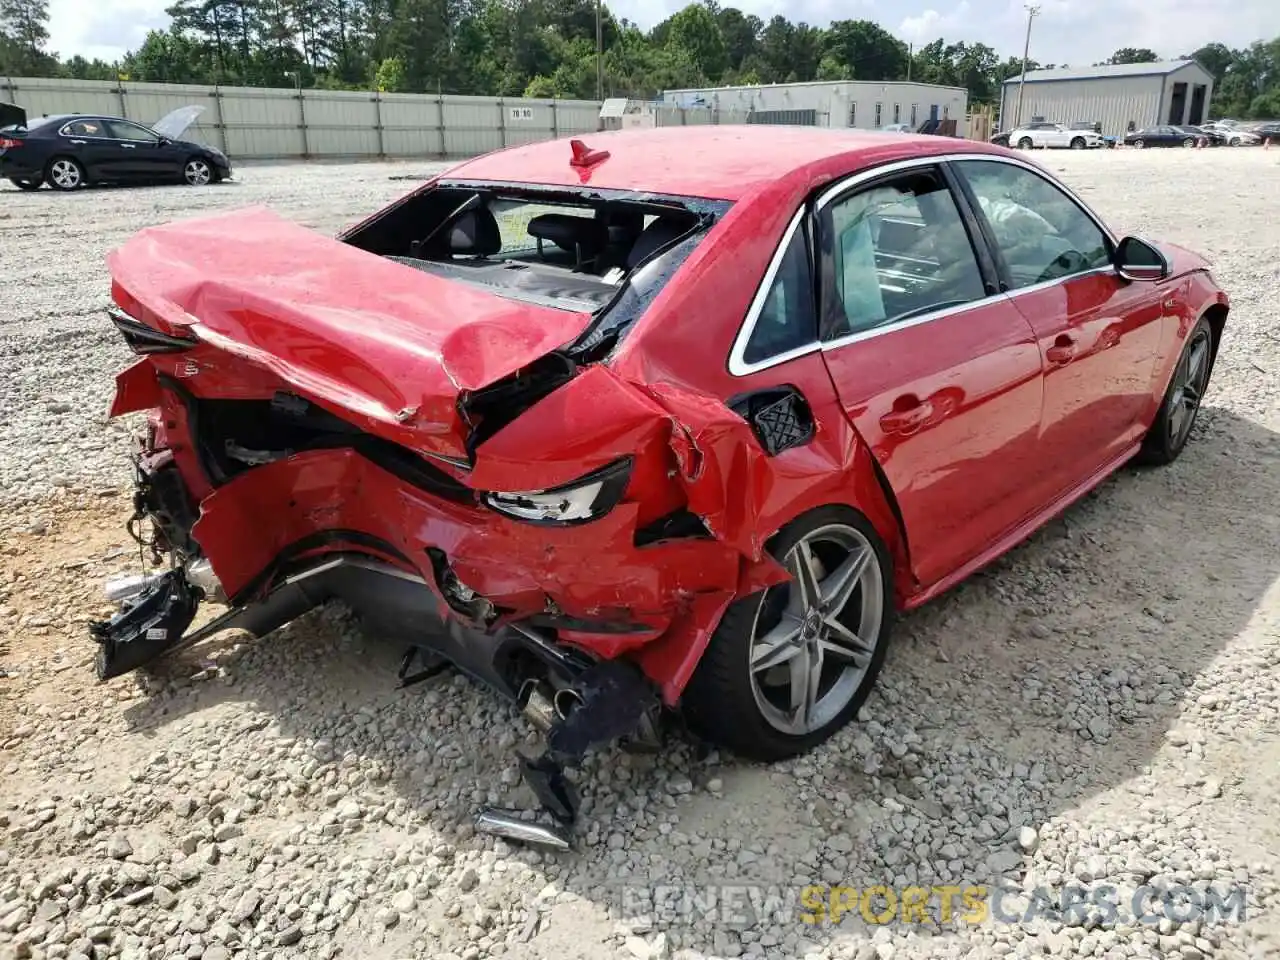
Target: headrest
[
  {"x": 570, "y": 232},
  {"x": 475, "y": 234},
  {"x": 655, "y": 236}
]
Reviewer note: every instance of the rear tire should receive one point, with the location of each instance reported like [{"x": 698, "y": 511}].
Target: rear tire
[
  {"x": 65, "y": 173},
  {"x": 1188, "y": 143},
  {"x": 1139, "y": 144},
  {"x": 1025, "y": 143},
  {"x": 741, "y": 694},
  {"x": 27, "y": 184},
  {"x": 1169, "y": 432}
]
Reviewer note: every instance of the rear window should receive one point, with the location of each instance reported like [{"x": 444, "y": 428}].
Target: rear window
[
  {"x": 573, "y": 250},
  {"x": 35, "y": 124}
]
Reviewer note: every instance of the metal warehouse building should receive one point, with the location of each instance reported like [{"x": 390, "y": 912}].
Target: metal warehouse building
[
  {"x": 1144, "y": 94},
  {"x": 845, "y": 103}
]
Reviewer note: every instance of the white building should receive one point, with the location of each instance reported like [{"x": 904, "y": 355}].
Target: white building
[
  {"x": 1116, "y": 95},
  {"x": 866, "y": 105}
]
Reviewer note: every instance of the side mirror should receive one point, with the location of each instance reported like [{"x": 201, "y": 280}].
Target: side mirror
[
  {"x": 1136, "y": 259},
  {"x": 166, "y": 142}
]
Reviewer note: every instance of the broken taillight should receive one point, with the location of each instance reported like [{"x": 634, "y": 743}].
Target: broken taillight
[
  {"x": 146, "y": 340},
  {"x": 585, "y": 499}
]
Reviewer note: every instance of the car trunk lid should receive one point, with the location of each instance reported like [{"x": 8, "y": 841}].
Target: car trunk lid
[{"x": 385, "y": 346}]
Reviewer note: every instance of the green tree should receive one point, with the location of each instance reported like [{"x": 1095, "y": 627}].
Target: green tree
[
  {"x": 696, "y": 31},
  {"x": 867, "y": 49},
  {"x": 25, "y": 24},
  {"x": 389, "y": 77},
  {"x": 1134, "y": 55}
]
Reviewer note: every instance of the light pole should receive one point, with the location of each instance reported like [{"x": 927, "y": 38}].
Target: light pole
[
  {"x": 599, "y": 55},
  {"x": 1026, "y": 49}
]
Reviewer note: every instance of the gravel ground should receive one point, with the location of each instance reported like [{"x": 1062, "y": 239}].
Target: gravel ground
[{"x": 1097, "y": 712}]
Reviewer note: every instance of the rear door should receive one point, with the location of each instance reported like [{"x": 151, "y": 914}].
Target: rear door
[
  {"x": 89, "y": 142},
  {"x": 938, "y": 371},
  {"x": 1098, "y": 333}
]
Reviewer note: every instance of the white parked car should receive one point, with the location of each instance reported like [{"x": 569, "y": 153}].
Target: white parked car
[
  {"x": 1237, "y": 137},
  {"x": 897, "y": 128},
  {"x": 1054, "y": 136}
]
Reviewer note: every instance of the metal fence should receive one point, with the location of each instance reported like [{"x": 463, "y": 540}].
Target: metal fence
[
  {"x": 259, "y": 123},
  {"x": 675, "y": 116}
]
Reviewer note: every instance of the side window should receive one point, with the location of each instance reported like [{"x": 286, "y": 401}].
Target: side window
[
  {"x": 1042, "y": 233},
  {"x": 131, "y": 131},
  {"x": 787, "y": 319},
  {"x": 899, "y": 250},
  {"x": 85, "y": 128}
]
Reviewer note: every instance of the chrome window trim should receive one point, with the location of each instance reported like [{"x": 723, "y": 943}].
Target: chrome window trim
[
  {"x": 740, "y": 368},
  {"x": 738, "y": 365},
  {"x": 62, "y": 131}
]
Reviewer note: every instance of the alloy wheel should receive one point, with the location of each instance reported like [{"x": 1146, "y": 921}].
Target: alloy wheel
[
  {"x": 1190, "y": 379},
  {"x": 65, "y": 174},
  {"x": 197, "y": 173},
  {"x": 814, "y": 637}
]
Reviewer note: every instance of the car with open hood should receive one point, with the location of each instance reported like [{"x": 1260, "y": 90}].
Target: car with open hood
[
  {"x": 673, "y": 421},
  {"x": 70, "y": 151}
]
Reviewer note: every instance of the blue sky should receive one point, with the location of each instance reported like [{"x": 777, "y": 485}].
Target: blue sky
[{"x": 1066, "y": 31}]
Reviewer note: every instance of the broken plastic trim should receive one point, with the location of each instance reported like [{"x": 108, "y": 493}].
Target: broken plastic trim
[
  {"x": 148, "y": 624},
  {"x": 145, "y": 340}
]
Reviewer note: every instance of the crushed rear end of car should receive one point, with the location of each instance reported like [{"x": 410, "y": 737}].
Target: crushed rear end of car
[{"x": 350, "y": 420}]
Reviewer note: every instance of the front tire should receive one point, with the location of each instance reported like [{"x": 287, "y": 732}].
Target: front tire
[
  {"x": 65, "y": 173},
  {"x": 789, "y": 666},
  {"x": 1177, "y": 414},
  {"x": 197, "y": 172},
  {"x": 1077, "y": 144},
  {"x": 1188, "y": 143},
  {"x": 1025, "y": 143},
  {"x": 1139, "y": 144}
]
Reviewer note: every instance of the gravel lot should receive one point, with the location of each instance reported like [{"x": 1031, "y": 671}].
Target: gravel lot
[{"x": 1101, "y": 708}]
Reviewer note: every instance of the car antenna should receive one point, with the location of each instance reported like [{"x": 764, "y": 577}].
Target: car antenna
[{"x": 584, "y": 156}]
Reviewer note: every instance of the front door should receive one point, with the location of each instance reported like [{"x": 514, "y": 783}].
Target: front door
[
  {"x": 938, "y": 371},
  {"x": 146, "y": 156},
  {"x": 1097, "y": 333}
]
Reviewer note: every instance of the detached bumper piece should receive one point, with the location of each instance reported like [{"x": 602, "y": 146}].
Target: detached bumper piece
[
  {"x": 147, "y": 625},
  {"x": 609, "y": 701}
]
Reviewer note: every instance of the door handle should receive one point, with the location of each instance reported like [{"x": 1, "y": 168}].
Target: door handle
[
  {"x": 79, "y": 143},
  {"x": 908, "y": 415},
  {"x": 127, "y": 146},
  {"x": 1062, "y": 352}
]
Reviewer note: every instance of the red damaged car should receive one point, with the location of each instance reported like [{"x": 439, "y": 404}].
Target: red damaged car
[{"x": 673, "y": 419}]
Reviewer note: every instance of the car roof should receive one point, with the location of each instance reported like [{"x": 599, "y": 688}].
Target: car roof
[{"x": 720, "y": 162}]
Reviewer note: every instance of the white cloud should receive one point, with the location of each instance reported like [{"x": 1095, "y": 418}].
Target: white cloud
[
  {"x": 1067, "y": 31},
  {"x": 103, "y": 28}
]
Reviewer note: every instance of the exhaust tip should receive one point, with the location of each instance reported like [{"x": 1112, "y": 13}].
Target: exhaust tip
[
  {"x": 508, "y": 825},
  {"x": 119, "y": 589},
  {"x": 566, "y": 701}
]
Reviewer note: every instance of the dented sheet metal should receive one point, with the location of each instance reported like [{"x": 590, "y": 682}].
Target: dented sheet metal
[
  {"x": 398, "y": 353},
  {"x": 389, "y": 346}
]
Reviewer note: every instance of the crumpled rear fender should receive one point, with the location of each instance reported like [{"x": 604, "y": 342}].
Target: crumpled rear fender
[{"x": 689, "y": 451}]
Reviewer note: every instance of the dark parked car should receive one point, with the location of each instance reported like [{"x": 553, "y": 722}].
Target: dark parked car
[
  {"x": 1166, "y": 136},
  {"x": 1213, "y": 138},
  {"x": 71, "y": 150}
]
